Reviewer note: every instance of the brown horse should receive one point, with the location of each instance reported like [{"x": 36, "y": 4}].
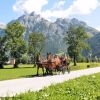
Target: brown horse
[
  {"x": 45, "y": 64},
  {"x": 42, "y": 65}
]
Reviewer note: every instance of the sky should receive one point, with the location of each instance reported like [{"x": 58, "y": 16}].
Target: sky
[{"x": 84, "y": 10}]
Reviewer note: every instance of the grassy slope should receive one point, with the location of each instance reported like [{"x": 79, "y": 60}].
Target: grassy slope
[
  {"x": 83, "y": 88},
  {"x": 28, "y": 70}
]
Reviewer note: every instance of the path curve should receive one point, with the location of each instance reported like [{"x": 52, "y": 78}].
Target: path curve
[{"x": 22, "y": 85}]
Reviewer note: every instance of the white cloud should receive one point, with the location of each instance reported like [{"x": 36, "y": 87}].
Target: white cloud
[
  {"x": 2, "y": 23},
  {"x": 59, "y": 5},
  {"x": 98, "y": 28},
  {"x": 56, "y": 11},
  {"x": 83, "y": 6},
  {"x": 29, "y": 5},
  {"x": 78, "y": 7},
  {"x": 48, "y": 14}
]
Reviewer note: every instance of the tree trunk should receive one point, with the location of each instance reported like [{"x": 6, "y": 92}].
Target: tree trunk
[
  {"x": 15, "y": 65},
  {"x": 1, "y": 66},
  {"x": 74, "y": 60}
]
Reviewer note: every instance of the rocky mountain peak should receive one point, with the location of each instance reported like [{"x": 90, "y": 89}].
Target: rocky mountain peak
[{"x": 54, "y": 31}]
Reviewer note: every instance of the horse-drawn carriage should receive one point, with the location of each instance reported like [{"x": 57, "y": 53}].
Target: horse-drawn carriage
[{"x": 53, "y": 63}]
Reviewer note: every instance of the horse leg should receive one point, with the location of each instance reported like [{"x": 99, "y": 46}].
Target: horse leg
[
  {"x": 51, "y": 73},
  {"x": 47, "y": 71},
  {"x": 43, "y": 70},
  {"x": 37, "y": 70}
]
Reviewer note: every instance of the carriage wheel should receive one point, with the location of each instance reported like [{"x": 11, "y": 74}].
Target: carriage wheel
[{"x": 63, "y": 70}]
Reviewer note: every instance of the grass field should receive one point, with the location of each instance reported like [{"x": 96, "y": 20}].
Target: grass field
[
  {"x": 83, "y": 65},
  {"x": 83, "y": 88},
  {"x": 23, "y": 71},
  {"x": 28, "y": 70}
]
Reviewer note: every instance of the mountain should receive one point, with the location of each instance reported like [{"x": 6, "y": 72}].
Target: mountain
[
  {"x": 2, "y": 27},
  {"x": 54, "y": 31},
  {"x": 95, "y": 45},
  {"x": 65, "y": 23}
]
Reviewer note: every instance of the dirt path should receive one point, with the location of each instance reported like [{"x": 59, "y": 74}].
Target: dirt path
[{"x": 17, "y": 86}]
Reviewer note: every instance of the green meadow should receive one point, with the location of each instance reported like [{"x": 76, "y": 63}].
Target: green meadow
[{"x": 30, "y": 71}]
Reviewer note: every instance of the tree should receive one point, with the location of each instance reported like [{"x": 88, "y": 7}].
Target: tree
[
  {"x": 36, "y": 44},
  {"x": 24, "y": 59},
  {"x": 76, "y": 40},
  {"x": 17, "y": 45},
  {"x": 3, "y": 51}
]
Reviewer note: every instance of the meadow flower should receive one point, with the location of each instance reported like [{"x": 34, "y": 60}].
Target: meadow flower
[{"x": 93, "y": 76}]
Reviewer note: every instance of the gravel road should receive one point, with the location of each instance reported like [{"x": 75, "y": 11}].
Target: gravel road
[{"x": 22, "y": 85}]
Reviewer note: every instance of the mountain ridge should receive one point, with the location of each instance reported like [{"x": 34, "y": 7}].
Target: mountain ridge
[{"x": 54, "y": 31}]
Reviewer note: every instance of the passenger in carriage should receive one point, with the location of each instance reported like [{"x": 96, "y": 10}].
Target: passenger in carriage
[
  {"x": 64, "y": 60},
  {"x": 57, "y": 60},
  {"x": 50, "y": 58}
]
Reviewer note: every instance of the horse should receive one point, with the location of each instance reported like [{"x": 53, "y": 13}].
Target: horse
[
  {"x": 48, "y": 64},
  {"x": 41, "y": 63}
]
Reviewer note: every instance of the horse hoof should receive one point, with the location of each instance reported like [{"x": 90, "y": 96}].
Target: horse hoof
[
  {"x": 44, "y": 74},
  {"x": 68, "y": 72}
]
